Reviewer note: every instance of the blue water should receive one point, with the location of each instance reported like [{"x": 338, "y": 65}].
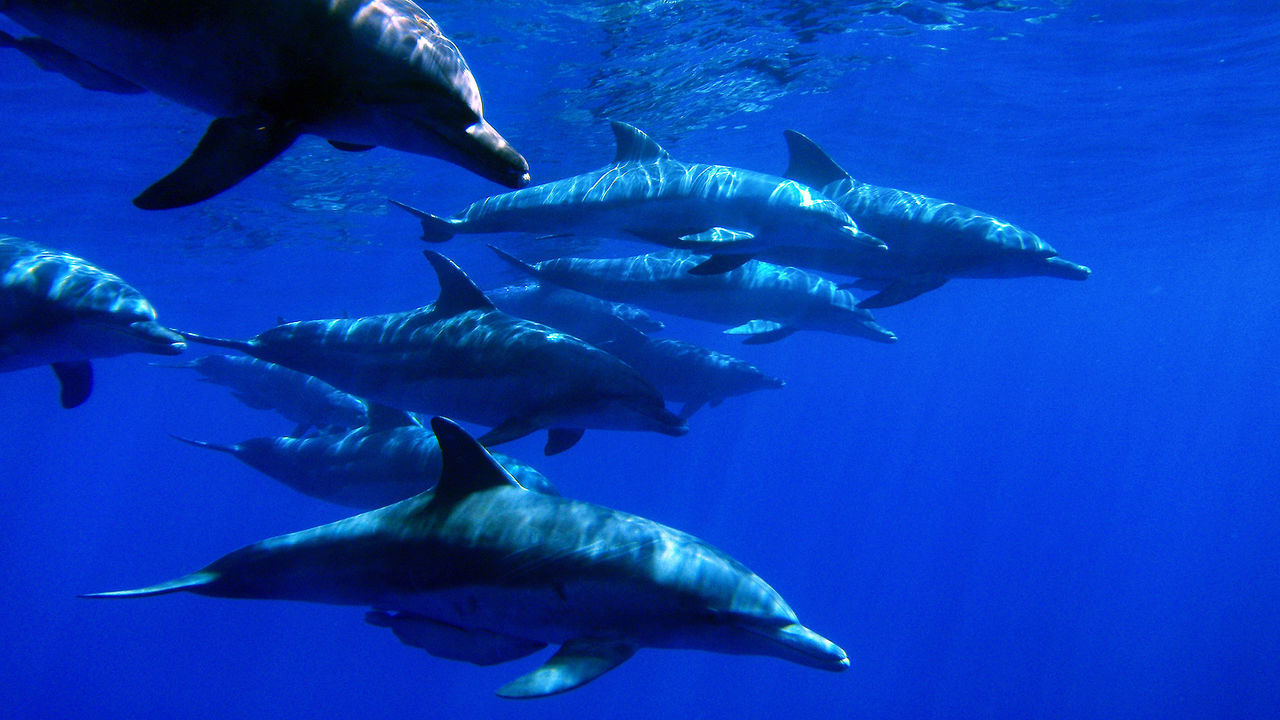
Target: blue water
[{"x": 1048, "y": 500}]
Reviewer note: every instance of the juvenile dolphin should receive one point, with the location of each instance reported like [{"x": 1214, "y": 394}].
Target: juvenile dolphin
[
  {"x": 930, "y": 241},
  {"x": 766, "y": 302},
  {"x": 301, "y": 398},
  {"x": 386, "y": 461},
  {"x": 463, "y": 356},
  {"x": 726, "y": 212},
  {"x": 687, "y": 373},
  {"x": 483, "y": 570},
  {"x": 359, "y": 73},
  {"x": 57, "y": 309}
]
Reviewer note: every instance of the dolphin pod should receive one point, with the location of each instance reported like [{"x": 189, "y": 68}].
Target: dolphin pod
[
  {"x": 930, "y": 241},
  {"x": 463, "y": 356},
  {"x": 483, "y": 570},
  {"x": 359, "y": 73},
  {"x": 726, "y": 212},
  {"x": 57, "y": 309}
]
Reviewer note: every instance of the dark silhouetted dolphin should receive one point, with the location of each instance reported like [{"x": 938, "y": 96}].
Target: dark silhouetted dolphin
[
  {"x": 483, "y": 570},
  {"x": 56, "y": 309},
  {"x": 359, "y": 73}
]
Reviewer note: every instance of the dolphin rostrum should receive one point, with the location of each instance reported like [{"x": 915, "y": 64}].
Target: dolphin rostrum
[
  {"x": 930, "y": 241},
  {"x": 765, "y": 302},
  {"x": 359, "y": 73},
  {"x": 483, "y": 570},
  {"x": 56, "y": 309},
  {"x": 463, "y": 356},
  {"x": 391, "y": 458},
  {"x": 726, "y": 212}
]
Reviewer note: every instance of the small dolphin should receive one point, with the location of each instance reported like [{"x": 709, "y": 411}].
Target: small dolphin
[
  {"x": 386, "y": 461},
  {"x": 687, "y": 373},
  {"x": 485, "y": 571},
  {"x": 301, "y": 398},
  {"x": 360, "y": 73},
  {"x": 930, "y": 241},
  {"x": 770, "y": 301},
  {"x": 57, "y": 309},
  {"x": 578, "y": 314},
  {"x": 462, "y": 355},
  {"x": 726, "y": 212}
]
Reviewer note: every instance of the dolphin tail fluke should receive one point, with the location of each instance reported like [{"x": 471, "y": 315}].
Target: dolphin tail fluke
[
  {"x": 435, "y": 229},
  {"x": 229, "y": 449},
  {"x": 243, "y": 346},
  {"x": 515, "y": 261},
  {"x": 186, "y": 582}
]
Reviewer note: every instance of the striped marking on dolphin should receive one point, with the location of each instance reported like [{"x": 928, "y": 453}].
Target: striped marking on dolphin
[
  {"x": 725, "y": 212},
  {"x": 463, "y": 356},
  {"x": 391, "y": 458},
  {"x": 57, "y": 309},
  {"x": 485, "y": 571},
  {"x": 930, "y": 241},
  {"x": 360, "y": 73},
  {"x": 765, "y": 302}
]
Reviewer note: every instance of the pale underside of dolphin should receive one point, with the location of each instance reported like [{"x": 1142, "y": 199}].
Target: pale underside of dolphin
[
  {"x": 360, "y": 73},
  {"x": 463, "y": 356},
  {"x": 391, "y": 458},
  {"x": 930, "y": 241},
  {"x": 485, "y": 571},
  {"x": 764, "y": 302},
  {"x": 726, "y": 212},
  {"x": 57, "y": 309}
]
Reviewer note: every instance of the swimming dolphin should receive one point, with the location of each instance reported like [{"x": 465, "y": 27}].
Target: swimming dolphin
[
  {"x": 930, "y": 241},
  {"x": 687, "y": 373},
  {"x": 726, "y": 212},
  {"x": 359, "y": 73},
  {"x": 464, "y": 356},
  {"x": 766, "y": 302},
  {"x": 301, "y": 398},
  {"x": 483, "y": 570},
  {"x": 57, "y": 309},
  {"x": 386, "y": 461}
]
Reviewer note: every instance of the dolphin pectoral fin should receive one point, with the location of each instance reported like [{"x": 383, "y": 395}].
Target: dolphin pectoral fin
[
  {"x": 511, "y": 429},
  {"x": 231, "y": 150},
  {"x": 900, "y": 291},
  {"x": 575, "y": 664},
  {"x": 719, "y": 263},
  {"x": 479, "y": 647},
  {"x": 716, "y": 237},
  {"x": 561, "y": 439},
  {"x": 762, "y": 331},
  {"x": 76, "y": 379},
  {"x": 53, "y": 58},
  {"x": 351, "y": 147},
  {"x": 690, "y": 408}
]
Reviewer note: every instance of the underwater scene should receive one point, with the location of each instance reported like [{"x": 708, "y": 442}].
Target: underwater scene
[{"x": 543, "y": 359}]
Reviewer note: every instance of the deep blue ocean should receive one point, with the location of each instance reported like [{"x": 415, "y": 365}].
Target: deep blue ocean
[{"x": 1049, "y": 499}]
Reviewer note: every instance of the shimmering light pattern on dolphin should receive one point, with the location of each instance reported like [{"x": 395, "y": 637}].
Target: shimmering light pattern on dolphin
[{"x": 481, "y": 569}]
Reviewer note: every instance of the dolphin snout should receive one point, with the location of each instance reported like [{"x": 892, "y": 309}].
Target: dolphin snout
[
  {"x": 495, "y": 159},
  {"x": 160, "y": 340},
  {"x": 866, "y": 240}
]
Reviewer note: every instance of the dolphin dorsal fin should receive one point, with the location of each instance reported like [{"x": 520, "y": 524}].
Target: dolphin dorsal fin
[
  {"x": 457, "y": 293},
  {"x": 810, "y": 164},
  {"x": 466, "y": 467},
  {"x": 382, "y": 417},
  {"x": 635, "y": 146}
]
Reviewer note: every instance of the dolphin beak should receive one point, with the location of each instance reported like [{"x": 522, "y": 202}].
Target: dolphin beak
[
  {"x": 498, "y": 161},
  {"x": 801, "y": 645},
  {"x": 866, "y": 240},
  {"x": 161, "y": 340}
]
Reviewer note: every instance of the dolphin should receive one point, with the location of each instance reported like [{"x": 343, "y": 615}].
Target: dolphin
[
  {"x": 359, "y": 73},
  {"x": 930, "y": 241},
  {"x": 578, "y": 314},
  {"x": 726, "y": 212},
  {"x": 687, "y": 373},
  {"x": 57, "y": 309},
  {"x": 386, "y": 461},
  {"x": 765, "y": 302},
  {"x": 464, "y": 356},
  {"x": 301, "y": 398},
  {"x": 482, "y": 570}
]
